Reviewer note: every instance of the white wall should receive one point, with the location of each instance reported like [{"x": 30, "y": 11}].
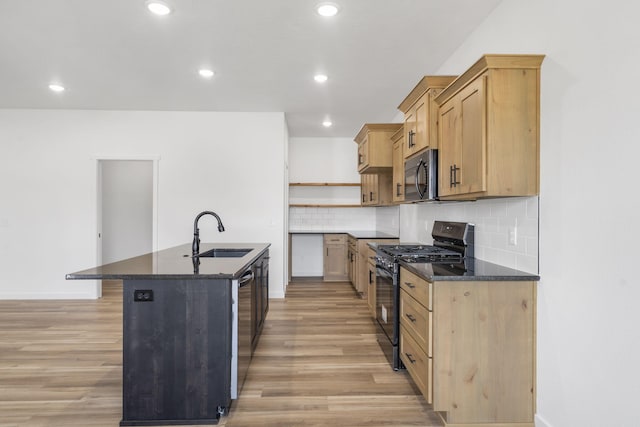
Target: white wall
[
  {"x": 588, "y": 339},
  {"x": 231, "y": 163},
  {"x": 323, "y": 160}
]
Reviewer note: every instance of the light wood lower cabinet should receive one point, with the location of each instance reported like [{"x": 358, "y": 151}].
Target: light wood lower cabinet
[
  {"x": 470, "y": 348},
  {"x": 335, "y": 250},
  {"x": 360, "y": 276}
]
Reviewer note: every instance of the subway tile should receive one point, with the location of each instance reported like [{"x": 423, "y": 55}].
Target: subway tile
[{"x": 527, "y": 263}]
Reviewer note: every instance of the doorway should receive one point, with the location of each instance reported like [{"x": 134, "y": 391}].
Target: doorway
[{"x": 126, "y": 208}]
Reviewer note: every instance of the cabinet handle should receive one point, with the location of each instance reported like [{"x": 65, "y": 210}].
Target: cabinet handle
[
  {"x": 370, "y": 279},
  {"x": 411, "y": 134},
  {"x": 327, "y": 251},
  {"x": 450, "y": 176},
  {"x": 410, "y": 285},
  {"x": 360, "y": 161},
  {"x": 410, "y": 317},
  {"x": 411, "y": 359},
  {"x": 453, "y": 175},
  {"x": 398, "y": 186},
  {"x": 363, "y": 199},
  {"x": 370, "y": 196}
]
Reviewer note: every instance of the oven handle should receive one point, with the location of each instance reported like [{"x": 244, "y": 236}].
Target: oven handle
[{"x": 384, "y": 271}]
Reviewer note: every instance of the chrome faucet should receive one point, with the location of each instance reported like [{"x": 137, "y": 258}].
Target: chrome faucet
[{"x": 195, "y": 246}]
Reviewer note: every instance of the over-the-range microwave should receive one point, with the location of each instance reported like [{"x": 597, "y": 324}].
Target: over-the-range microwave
[{"x": 421, "y": 176}]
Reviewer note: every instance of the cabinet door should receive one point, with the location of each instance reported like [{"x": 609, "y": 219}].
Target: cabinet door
[
  {"x": 473, "y": 161},
  {"x": 421, "y": 139},
  {"x": 335, "y": 250},
  {"x": 449, "y": 154},
  {"x": 398, "y": 170},
  {"x": 364, "y": 189},
  {"x": 409, "y": 132},
  {"x": 463, "y": 149},
  {"x": 363, "y": 153}
]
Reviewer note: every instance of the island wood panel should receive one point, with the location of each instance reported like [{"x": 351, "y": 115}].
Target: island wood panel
[
  {"x": 176, "y": 351},
  {"x": 484, "y": 352}
]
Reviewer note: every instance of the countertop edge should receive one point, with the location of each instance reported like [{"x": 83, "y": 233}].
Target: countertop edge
[
  {"x": 521, "y": 276},
  {"x": 356, "y": 234},
  {"x": 238, "y": 270}
]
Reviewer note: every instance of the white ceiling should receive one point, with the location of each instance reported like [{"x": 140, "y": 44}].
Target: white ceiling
[{"x": 115, "y": 55}]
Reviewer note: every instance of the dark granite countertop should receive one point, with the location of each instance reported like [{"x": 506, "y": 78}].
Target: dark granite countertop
[
  {"x": 177, "y": 263},
  {"x": 358, "y": 234},
  {"x": 476, "y": 270}
]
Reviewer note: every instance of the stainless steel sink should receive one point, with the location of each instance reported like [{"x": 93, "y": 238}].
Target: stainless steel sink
[{"x": 224, "y": 253}]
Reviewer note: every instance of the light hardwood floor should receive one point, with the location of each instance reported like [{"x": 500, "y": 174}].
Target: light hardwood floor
[{"x": 317, "y": 364}]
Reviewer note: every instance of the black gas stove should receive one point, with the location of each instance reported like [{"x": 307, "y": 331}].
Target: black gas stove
[
  {"x": 453, "y": 244},
  {"x": 421, "y": 253}
]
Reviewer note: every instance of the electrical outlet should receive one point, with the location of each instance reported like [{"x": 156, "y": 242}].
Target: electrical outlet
[
  {"x": 513, "y": 236},
  {"x": 143, "y": 295}
]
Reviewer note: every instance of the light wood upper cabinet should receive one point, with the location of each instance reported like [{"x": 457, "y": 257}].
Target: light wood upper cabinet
[
  {"x": 420, "y": 114},
  {"x": 489, "y": 129},
  {"x": 376, "y": 189},
  {"x": 374, "y": 147},
  {"x": 398, "y": 165}
]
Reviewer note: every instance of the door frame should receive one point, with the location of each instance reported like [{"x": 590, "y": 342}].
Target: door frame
[{"x": 98, "y": 159}]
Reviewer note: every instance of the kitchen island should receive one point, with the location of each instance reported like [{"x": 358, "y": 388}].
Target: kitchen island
[{"x": 189, "y": 326}]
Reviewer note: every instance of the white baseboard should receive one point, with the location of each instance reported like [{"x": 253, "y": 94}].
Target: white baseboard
[
  {"x": 46, "y": 296},
  {"x": 541, "y": 422}
]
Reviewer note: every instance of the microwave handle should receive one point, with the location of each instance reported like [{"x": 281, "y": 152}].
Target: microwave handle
[{"x": 420, "y": 166}]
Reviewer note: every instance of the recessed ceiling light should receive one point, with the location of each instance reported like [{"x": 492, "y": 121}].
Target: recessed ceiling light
[
  {"x": 56, "y": 87},
  {"x": 320, "y": 78},
  {"x": 327, "y": 9},
  {"x": 206, "y": 73},
  {"x": 158, "y": 7},
  {"x": 327, "y": 123}
]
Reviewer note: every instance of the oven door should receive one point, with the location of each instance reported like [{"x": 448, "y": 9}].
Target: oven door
[
  {"x": 385, "y": 302},
  {"x": 387, "y": 306}
]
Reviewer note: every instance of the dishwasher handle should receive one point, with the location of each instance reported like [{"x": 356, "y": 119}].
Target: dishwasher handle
[{"x": 246, "y": 277}]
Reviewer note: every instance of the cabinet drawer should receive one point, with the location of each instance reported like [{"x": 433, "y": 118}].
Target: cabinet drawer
[
  {"x": 417, "y": 287},
  {"x": 419, "y": 365},
  {"x": 417, "y": 320},
  {"x": 335, "y": 239}
]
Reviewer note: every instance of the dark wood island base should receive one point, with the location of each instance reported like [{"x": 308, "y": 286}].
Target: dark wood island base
[{"x": 190, "y": 325}]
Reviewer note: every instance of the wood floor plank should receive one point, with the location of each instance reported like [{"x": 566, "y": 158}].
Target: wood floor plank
[{"x": 317, "y": 364}]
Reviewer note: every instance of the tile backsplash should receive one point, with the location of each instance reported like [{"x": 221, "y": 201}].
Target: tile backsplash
[
  {"x": 506, "y": 230},
  {"x": 330, "y": 219}
]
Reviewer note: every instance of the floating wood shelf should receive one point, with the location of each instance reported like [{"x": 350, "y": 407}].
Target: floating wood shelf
[
  {"x": 323, "y": 206},
  {"x": 300, "y": 202},
  {"x": 324, "y": 184}
]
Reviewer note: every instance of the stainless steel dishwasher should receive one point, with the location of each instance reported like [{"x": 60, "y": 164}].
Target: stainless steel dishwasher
[{"x": 245, "y": 296}]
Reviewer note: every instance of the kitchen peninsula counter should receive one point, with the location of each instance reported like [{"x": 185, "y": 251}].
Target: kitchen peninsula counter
[
  {"x": 176, "y": 263},
  {"x": 189, "y": 328}
]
